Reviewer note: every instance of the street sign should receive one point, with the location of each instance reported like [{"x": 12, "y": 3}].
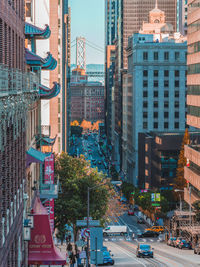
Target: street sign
[
  {"x": 82, "y": 254},
  {"x": 86, "y": 233},
  {"x": 84, "y": 223},
  {"x": 156, "y": 204},
  {"x": 152, "y": 197},
  {"x": 96, "y": 238},
  {"x": 155, "y": 197},
  {"x": 85, "y": 218}
]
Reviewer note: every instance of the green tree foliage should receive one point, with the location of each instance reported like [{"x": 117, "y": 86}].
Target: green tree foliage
[
  {"x": 76, "y": 130},
  {"x": 180, "y": 181},
  {"x": 127, "y": 189},
  {"x": 76, "y": 176}
]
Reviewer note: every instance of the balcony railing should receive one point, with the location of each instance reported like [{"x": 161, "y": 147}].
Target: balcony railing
[
  {"x": 13, "y": 81},
  {"x": 49, "y": 190},
  {"x": 192, "y": 152},
  {"x": 194, "y": 196},
  {"x": 192, "y": 176}
]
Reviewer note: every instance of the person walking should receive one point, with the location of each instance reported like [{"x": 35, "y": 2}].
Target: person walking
[{"x": 72, "y": 259}]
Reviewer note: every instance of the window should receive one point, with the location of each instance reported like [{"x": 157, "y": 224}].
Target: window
[
  {"x": 145, "y": 115},
  {"x": 155, "y": 55},
  {"x": 145, "y": 94},
  {"x": 155, "y": 104},
  {"x": 176, "y": 73},
  {"x": 145, "y": 55},
  {"x": 176, "y": 94},
  {"x": 176, "y": 125},
  {"x": 166, "y": 55},
  {"x": 155, "y": 73},
  {"x": 145, "y": 73},
  {"x": 155, "y": 93},
  {"x": 176, "y": 104},
  {"x": 145, "y": 125},
  {"x": 155, "y": 125},
  {"x": 155, "y": 114},
  {"x": 166, "y": 73},
  {"x": 166, "y": 93},
  {"x": 166, "y": 125},
  {"x": 145, "y": 83},
  {"x": 177, "y": 55},
  {"x": 155, "y": 83},
  {"x": 145, "y": 104},
  {"x": 166, "y": 83},
  {"x": 176, "y": 83},
  {"x": 176, "y": 114},
  {"x": 166, "y": 104},
  {"x": 166, "y": 114}
]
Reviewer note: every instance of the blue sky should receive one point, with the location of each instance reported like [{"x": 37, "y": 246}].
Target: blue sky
[{"x": 87, "y": 20}]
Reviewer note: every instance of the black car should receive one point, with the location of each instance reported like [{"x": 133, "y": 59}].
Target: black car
[
  {"x": 140, "y": 220},
  {"x": 148, "y": 234},
  {"x": 144, "y": 250}
]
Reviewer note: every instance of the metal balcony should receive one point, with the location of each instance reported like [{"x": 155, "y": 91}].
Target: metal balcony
[
  {"x": 194, "y": 196},
  {"x": 192, "y": 152},
  {"x": 49, "y": 190},
  {"x": 192, "y": 176}
]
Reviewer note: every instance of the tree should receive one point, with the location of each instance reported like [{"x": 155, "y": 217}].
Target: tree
[
  {"x": 180, "y": 181},
  {"x": 76, "y": 176},
  {"x": 75, "y": 123},
  {"x": 76, "y": 130}
]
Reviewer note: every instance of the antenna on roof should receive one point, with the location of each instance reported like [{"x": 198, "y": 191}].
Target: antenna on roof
[{"x": 156, "y": 4}]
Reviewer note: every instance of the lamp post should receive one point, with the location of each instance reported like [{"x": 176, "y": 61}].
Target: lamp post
[
  {"x": 179, "y": 190},
  {"x": 88, "y": 216}
]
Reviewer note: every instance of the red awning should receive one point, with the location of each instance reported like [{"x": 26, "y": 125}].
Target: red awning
[{"x": 41, "y": 248}]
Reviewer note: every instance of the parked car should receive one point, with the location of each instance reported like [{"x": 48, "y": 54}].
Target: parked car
[
  {"x": 170, "y": 241},
  {"x": 130, "y": 212},
  {"x": 178, "y": 241},
  {"x": 107, "y": 259},
  {"x": 140, "y": 220},
  {"x": 185, "y": 244},
  {"x": 144, "y": 250},
  {"x": 148, "y": 234},
  {"x": 157, "y": 229},
  {"x": 197, "y": 249}
]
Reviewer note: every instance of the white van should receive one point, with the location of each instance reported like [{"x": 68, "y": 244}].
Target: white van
[{"x": 115, "y": 229}]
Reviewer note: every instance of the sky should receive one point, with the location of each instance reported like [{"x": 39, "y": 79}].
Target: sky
[{"x": 87, "y": 20}]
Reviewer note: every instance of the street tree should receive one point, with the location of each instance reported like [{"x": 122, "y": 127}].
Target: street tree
[
  {"x": 180, "y": 181},
  {"x": 75, "y": 176}
]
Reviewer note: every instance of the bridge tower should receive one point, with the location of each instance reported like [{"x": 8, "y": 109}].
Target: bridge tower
[{"x": 80, "y": 52}]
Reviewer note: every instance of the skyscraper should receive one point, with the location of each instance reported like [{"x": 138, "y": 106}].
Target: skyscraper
[
  {"x": 131, "y": 15},
  {"x": 192, "y": 174}
]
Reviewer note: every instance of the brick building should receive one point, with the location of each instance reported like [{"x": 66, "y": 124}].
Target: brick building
[{"x": 87, "y": 98}]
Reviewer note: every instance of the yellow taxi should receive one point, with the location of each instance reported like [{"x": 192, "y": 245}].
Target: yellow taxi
[{"x": 158, "y": 229}]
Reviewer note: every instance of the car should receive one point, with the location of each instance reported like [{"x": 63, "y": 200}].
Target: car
[
  {"x": 197, "y": 249},
  {"x": 140, "y": 220},
  {"x": 177, "y": 242},
  {"x": 130, "y": 212},
  {"x": 185, "y": 244},
  {"x": 107, "y": 259},
  {"x": 144, "y": 250},
  {"x": 170, "y": 241},
  {"x": 148, "y": 234},
  {"x": 158, "y": 229}
]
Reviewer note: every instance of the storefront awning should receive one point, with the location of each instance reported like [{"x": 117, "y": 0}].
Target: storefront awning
[
  {"x": 41, "y": 249},
  {"x": 34, "y": 155}
]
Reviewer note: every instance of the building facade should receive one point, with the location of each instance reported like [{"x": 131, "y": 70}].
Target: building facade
[
  {"x": 182, "y": 12},
  {"x": 155, "y": 93},
  {"x": 192, "y": 174},
  {"x": 87, "y": 98}
]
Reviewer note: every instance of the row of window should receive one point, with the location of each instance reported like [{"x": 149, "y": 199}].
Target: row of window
[
  {"x": 166, "y": 115},
  {"x": 166, "y": 73},
  {"x": 155, "y": 104},
  {"x": 194, "y": 48},
  {"x": 193, "y": 90},
  {"x": 156, "y": 93},
  {"x": 156, "y": 83},
  {"x": 155, "y": 125},
  {"x": 194, "y": 111},
  {"x": 194, "y": 68},
  {"x": 165, "y": 56}
]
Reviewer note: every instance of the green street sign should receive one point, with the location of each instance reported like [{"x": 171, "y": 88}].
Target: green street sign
[
  {"x": 133, "y": 193},
  {"x": 156, "y": 204}
]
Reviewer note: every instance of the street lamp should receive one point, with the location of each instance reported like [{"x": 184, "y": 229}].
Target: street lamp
[
  {"x": 88, "y": 216},
  {"x": 179, "y": 190}
]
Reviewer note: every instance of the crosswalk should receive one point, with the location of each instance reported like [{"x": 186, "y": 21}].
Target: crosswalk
[{"x": 128, "y": 238}]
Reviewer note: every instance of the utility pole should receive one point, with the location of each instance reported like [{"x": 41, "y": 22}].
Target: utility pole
[
  {"x": 190, "y": 205},
  {"x": 88, "y": 216}
]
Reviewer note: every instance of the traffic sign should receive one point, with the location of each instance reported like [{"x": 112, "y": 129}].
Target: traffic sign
[
  {"x": 86, "y": 233},
  {"x": 156, "y": 204},
  {"x": 96, "y": 238},
  {"x": 84, "y": 223},
  {"x": 90, "y": 218}
]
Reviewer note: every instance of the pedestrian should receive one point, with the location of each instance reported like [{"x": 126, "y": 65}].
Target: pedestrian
[
  {"x": 72, "y": 259},
  {"x": 133, "y": 236}
]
